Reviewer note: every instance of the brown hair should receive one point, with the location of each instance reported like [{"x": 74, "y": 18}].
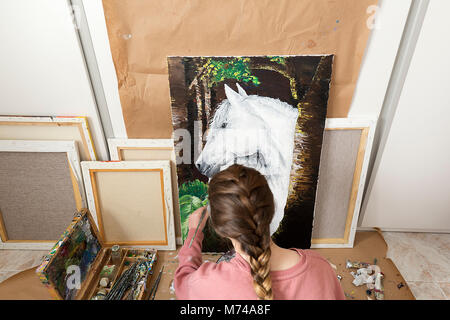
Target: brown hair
[{"x": 242, "y": 208}]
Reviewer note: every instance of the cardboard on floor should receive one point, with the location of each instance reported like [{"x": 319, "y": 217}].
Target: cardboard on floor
[{"x": 368, "y": 247}]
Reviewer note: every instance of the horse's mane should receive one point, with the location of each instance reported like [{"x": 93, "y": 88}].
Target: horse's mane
[
  {"x": 221, "y": 114},
  {"x": 276, "y": 104}
]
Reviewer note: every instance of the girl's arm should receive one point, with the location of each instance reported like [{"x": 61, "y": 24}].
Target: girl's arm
[{"x": 190, "y": 259}]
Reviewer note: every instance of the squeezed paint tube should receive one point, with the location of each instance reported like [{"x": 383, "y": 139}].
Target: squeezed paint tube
[
  {"x": 379, "y": 290},
  {"x": 356, "y": 264},
  {"x": 101, "y": 295},
  {"x": 108, "y": 271},
  {"x": 172, "y": 288},
  {"x": 366, "y": 276}
]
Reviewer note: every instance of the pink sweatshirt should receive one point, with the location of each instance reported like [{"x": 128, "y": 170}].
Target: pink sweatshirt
[{"x": 310, "y": 279}]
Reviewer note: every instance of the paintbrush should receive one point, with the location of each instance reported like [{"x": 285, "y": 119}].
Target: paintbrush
[
  {"x": 198, "y": 226},
  {"x": 155, "y": 285}
]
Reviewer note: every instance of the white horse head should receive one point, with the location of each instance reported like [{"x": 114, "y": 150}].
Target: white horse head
[{"x": 256, "y": 132}]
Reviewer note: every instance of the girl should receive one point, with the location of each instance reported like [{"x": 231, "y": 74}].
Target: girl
[{"x": 242, "y": 207}]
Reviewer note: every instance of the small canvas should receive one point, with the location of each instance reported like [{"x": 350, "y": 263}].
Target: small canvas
[
  {"x": 131, "y": 202},
  {"x": 264, "y": 112},
  {"x": 150, "y": 149}
]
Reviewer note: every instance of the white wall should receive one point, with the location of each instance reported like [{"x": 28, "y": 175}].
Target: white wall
[
  {"x": 96, "y": 25},
  {"x": 411, "y": 188},
  {"x": 42, "y": 71},
  {"x": 379, "y": 58}
]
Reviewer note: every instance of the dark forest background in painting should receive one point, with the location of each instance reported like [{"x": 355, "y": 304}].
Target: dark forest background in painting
[{"x": 197, "y": 88}]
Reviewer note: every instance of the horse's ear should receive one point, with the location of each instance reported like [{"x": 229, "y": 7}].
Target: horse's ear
[
  {"x": 232, "y": 96},
  {"x": 241, "y": 91}
]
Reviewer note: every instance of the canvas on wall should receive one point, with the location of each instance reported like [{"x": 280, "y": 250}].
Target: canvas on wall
[{"x": 264, "y": 112}]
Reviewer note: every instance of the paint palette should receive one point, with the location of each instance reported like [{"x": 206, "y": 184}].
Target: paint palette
[{"x": 75, "y": 267}]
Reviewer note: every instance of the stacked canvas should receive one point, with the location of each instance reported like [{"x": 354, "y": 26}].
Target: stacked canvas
[{"x": 41, "y": 184}]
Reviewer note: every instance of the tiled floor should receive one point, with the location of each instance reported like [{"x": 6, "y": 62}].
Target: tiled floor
[{"x": 422, "y": 258}]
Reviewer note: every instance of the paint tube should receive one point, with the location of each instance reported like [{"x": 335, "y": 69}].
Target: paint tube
[
  {"x": 101, "y": 295},
  {"x": 366, "y": 276},
  {"x": 379, "y": 290},
  {"x": 172, "y": 288},
  {"x": 104, "y": 282},
  {"x": 356, "y": 264},
  {"x": 108, "y": 271}
]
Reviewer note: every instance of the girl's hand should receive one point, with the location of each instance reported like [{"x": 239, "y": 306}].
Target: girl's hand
[{"x": 195, "y": 216}]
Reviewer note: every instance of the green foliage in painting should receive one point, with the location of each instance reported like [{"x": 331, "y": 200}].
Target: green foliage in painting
[
  {"x": 194, "y": 188},
  {"x": 234, "y": 68},
  {"x": 193, "y": 195},
  {"x": 277, "y": 59}
]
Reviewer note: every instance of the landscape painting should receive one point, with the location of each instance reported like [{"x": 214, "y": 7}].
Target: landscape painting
[{"x": 264, "y": 112}]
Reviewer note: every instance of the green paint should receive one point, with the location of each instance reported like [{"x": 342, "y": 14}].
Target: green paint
[
  {"x": 278, "y": 59},
  {"x": 192, "y": 195},
  {"x": 234, "y": 68}
]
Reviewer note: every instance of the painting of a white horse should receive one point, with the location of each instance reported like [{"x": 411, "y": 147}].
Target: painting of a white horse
[
  {"x": 257, "y": 132},
  {"x": 263, "y": 112}
]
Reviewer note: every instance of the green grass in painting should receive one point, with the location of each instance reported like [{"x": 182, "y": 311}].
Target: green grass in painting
[{"x": 193, "y": 195}]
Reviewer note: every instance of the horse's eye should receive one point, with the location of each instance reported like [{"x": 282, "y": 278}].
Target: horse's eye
[{"x": 224, "y": 125}]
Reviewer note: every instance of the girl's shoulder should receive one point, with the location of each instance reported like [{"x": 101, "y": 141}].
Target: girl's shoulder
[
  {"x": 313, "y": 257},
  {"x": 309, "y": 252}
]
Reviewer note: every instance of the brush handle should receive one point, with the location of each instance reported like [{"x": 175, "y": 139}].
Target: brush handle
[
  {"x": 155, "y": 286},
  {"x": 198, "y": 225}
]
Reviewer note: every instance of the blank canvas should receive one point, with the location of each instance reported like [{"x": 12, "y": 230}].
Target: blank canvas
[
  {"x": 131, "y": 211},
  {"x": 336, "y": 171},
  {"x": 36, "y": 195},
  {"x": 150, "y": 149}
]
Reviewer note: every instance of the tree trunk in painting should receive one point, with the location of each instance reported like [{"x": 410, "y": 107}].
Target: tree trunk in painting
[{"x": 207, "y": 104}]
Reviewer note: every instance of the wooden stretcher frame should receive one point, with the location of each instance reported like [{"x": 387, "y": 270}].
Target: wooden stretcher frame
[
  {"x": 70, "y": 148},
  {"x": 116, "y": 146},
  {"x": 367, "y": 127},
  {"x": 162, "y": 166},
  {"x": 80, "y": 122}
]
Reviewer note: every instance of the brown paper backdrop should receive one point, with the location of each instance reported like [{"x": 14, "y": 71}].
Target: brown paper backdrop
[{"x": 143, "y": 33}]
